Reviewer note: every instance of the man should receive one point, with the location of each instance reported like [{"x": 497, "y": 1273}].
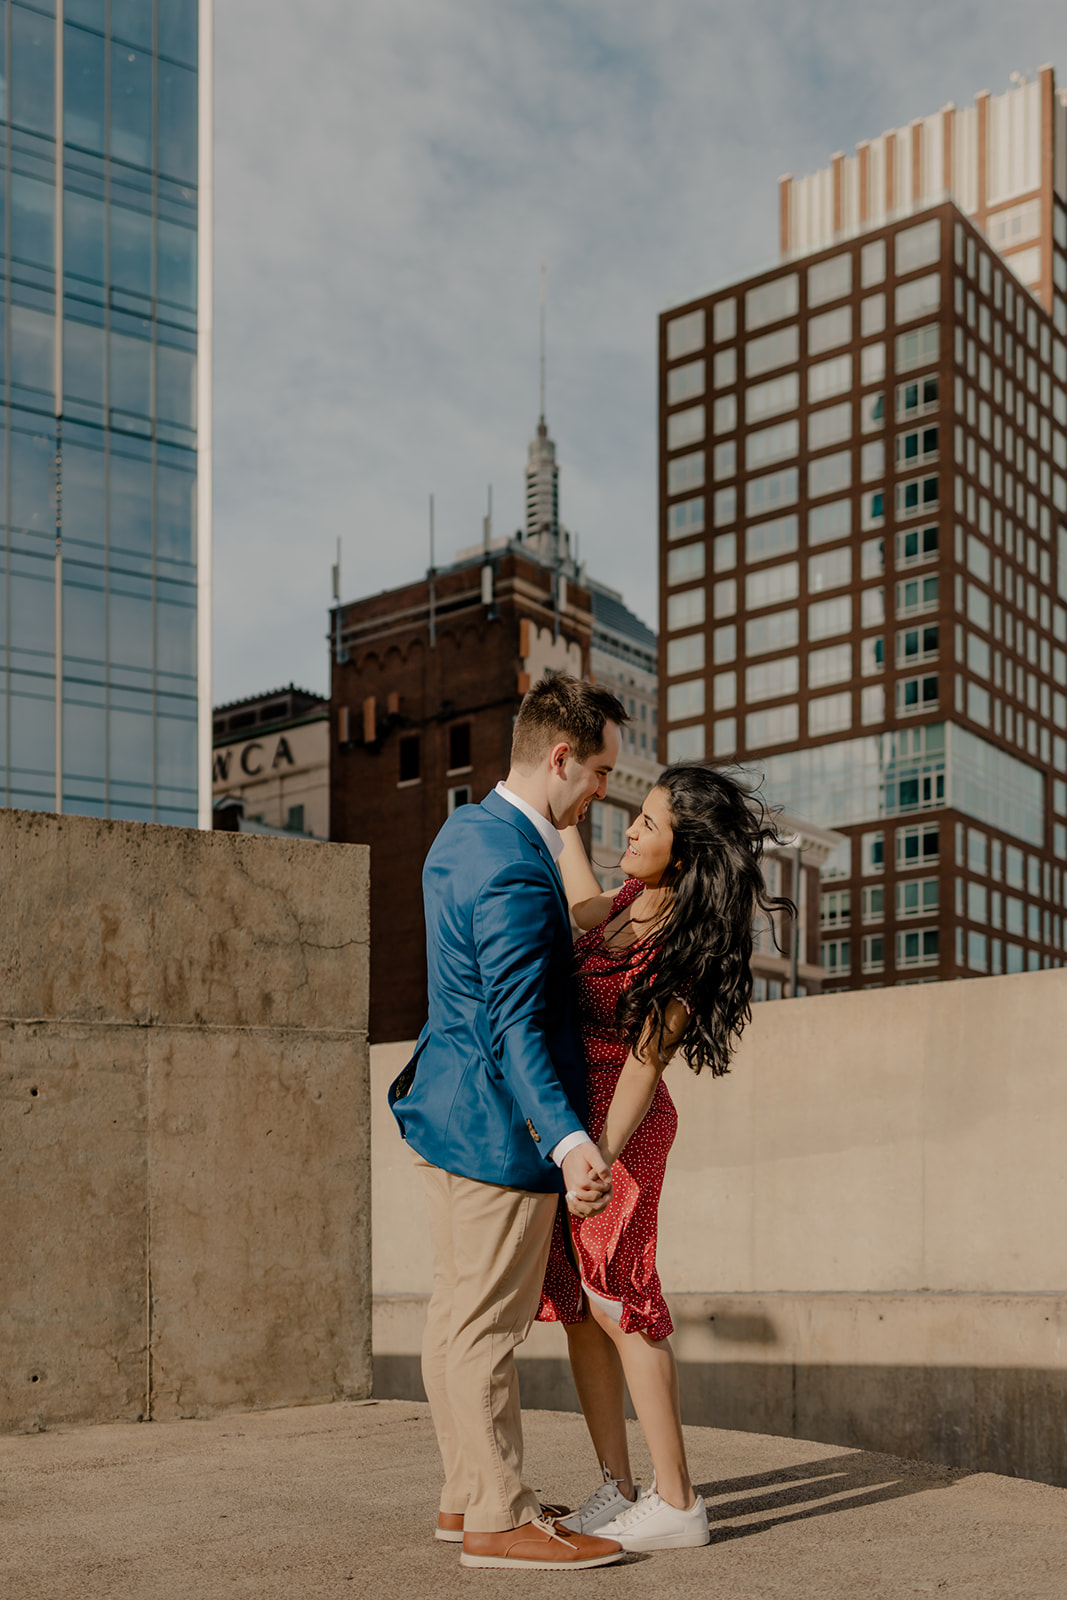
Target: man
[{"x": 492, "y": 1103}]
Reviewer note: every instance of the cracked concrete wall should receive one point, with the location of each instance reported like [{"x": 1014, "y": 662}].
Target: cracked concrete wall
[{"x": 184, "y": 1121}]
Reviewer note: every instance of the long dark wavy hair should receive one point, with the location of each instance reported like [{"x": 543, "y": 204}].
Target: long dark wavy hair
[{"x": 702, "y": 947}]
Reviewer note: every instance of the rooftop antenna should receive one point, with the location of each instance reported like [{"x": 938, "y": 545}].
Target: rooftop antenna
[
  {"x": 336, "y": 580},
  {"x": 543, "y": 275},
  {"x": 433, "y": 585},
  {"x": 487, "y": 523},
  {"x": 487, "y": 564}
]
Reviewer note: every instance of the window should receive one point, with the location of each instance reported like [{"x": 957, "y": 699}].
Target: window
[
  {"x": 872, "y": 509},
  {"x": 685, "y": 700},
  {"x": 833, "y": 570},
  {"x": 686, "y": 744},
  {"x": 978, "y": 656},
  {"x": 724, "y": 552},
  {"x": 978, "y": 609},
  {"x": 685, "y": 334},
  {"x": 872, "y": 950},
  {"x": 778, "y": 725},
  {"x": 916, "y": 694},
  {"x": 685, "y": 564},
  {"x": 724, "y": 644},
  {"x": 918, "y": 845},
  {"x": 778, "y": 443},
  {"x": 724, "y": 368},
  {"x": 872, "y": 608},
  {"x": 829, "y": 280},
  {"x": 916, "y": 546},
  {"x": 977, "y": 902},
  {"x": 917, "y": 897},
  {"x": 724, "y": 460},
  {"x": 913, "y": 449},
  {"x": 916, "y": 595},
  {"x": 724, "y": 597},
  {"x": 766, "y": 539},
  {"x": 685, "y": 427},
  {"x": 833, "y": 664},
  {"x": 684, "y": 383},
  {"x": 918, "y": 948},
  {"x": 829, "y": 426},
  {"x": 873, "y": 903},
  {"x": 830, "y": 713},
  {"x": 458, "y": 797},
  {"x": 685, "y": 517},
  {"x": 835, "y": 908},
  {"x": 917, "y": 247},
  {"x": 917, "y": 298},
  {"x": 459, "y": 746},
  {"x": 771, "y": 491},
  {"x": 771, "y": 350},
  {"x": 685, "y": 472},
  {"x": 917, "y": 398},
  {"x": 685, "y": 610},
  {"x": 872, "y": 853},
  {"x": 829, "y": 522},
  {"x": 724, "y": 320},
  {"x": 872, "y": 558},
  {"x": 830, "y": 474},
  {"x": 779, "y": 631},
  {"x": 872, "y": 363},
  {"x": 828, "y": 331},
  {"x": 685, "y": 654},
  {"x": 872, "y": 413},
  {"x": 409, "y": 759},
  {"x": 872, "y": 315},
  {"x": 872, "y": 461},
  {"x": 1013, "y": 915},
  {"x": 772, "y": 679},
  {"x": 917, "y": 498},
  {"x": 835, "y": 957},
  {"x": 724, "y": 414},
  {"x": 915, "y": 645},
  {"x": 917, "y": 349},
  {"x": 829, "y": 617},
  {"x": 770, "y": 399},
  {"x": 772, "y": 301},
  {"x": 872, "y": 656},
  {"x": 872, "y": 263},
  {"x": 872, "y": 704},
  {"x": 771, "y": 585},
  {"x": 724, "y": 691},
  {"x": 826, "y": 378}
]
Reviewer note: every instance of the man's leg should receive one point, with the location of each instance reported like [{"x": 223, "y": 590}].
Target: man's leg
[
  {"x": 455, "y": 1491},
  {"x": 500, "y": 1243}
]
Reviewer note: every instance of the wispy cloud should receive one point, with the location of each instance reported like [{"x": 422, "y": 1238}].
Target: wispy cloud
[{"x": 389, "y": 178}]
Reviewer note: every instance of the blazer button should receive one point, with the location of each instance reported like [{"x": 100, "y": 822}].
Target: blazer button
[{"x": 534, "y": 1135}]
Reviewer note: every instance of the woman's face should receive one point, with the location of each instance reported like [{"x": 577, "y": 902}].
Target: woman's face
[{"x": 650, "y": 841}]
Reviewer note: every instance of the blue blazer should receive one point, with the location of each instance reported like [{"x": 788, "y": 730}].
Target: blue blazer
[{"x": 498, "y": 1075}]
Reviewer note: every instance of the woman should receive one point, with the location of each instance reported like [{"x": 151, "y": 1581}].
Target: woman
[{"x": 664, "y": 962}]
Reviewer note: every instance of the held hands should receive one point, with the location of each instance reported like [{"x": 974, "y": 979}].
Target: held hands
[{"x": 588, "y": 1180}]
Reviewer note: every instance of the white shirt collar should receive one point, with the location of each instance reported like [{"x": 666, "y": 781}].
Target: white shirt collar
[{"x": 552, "y": 836}]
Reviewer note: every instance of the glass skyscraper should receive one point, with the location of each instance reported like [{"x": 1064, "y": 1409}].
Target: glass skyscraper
[{"x": 104, "y": 692}]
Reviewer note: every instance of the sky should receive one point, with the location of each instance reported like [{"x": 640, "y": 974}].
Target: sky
[{"x": 390, "y": 176}]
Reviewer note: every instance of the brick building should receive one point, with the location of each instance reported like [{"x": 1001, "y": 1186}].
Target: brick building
[{"x": 864, "y": 537}]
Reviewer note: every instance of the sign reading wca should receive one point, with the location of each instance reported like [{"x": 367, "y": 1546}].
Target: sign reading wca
[{"x": 250, "y": 759}]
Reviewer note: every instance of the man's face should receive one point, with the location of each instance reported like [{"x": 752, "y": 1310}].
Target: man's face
[{"x": 575, "y": 784}]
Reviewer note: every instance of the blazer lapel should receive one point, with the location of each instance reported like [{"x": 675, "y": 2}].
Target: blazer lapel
[{"x": 509, "y": 813}]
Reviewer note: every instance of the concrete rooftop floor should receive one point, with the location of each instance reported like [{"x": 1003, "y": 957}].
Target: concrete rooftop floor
[{"x": 339, "y": 1501}]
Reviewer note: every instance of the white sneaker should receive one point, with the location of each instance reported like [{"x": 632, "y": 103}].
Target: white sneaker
[
  {"x": 654, "y": 1524},
  {"x": 598, "y": 1508}
]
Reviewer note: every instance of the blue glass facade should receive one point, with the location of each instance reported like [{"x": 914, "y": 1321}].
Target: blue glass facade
[{"x": 98, "y": 582}]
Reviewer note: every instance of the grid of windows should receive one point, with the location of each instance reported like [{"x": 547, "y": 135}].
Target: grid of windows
[{"x": 99, "y": 410}]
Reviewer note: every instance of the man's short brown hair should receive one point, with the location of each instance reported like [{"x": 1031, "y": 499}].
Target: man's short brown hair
[{"x": 559, "y": 708}]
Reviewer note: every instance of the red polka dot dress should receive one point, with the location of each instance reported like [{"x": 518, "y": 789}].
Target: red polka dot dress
[{"x": 616, "y": 1251}]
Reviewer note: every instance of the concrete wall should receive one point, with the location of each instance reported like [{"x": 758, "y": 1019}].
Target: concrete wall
[
  {"x": 185, "y": 1221},
  {"x": 863, "y": 1233}
]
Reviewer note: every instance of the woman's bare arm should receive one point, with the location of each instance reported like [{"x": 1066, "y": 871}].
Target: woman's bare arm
[
  {"x": 588, "y": 902},
  {"x": 637, "y": 1083}
]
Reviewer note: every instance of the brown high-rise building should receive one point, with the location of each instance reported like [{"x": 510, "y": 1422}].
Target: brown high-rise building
[{"x": 864, "y": 537}]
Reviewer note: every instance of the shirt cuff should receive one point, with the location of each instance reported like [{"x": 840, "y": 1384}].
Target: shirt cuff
[{"x": 569, "y": 1142}]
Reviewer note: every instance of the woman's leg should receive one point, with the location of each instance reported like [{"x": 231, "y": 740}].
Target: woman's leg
[
  {"x": 598, "y": 1379},
  {"x": 652, "y": 1379}
]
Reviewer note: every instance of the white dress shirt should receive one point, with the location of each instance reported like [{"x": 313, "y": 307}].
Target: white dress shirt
[{"x": 554, "y": 843}]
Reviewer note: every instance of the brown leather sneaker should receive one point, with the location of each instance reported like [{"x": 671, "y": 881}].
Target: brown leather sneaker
[
  {"x": 538, "y": 1544},
  {"x": 450, "y": 1523}
]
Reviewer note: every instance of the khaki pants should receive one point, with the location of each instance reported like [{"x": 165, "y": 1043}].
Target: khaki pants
[{"x": 490, "y": 1249}]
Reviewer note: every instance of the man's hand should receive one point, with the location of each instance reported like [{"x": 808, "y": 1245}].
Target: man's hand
[{"x": 588, "y": 1179}]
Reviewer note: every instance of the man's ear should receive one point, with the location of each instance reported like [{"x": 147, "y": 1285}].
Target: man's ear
[{"x": 558, "y": 756}]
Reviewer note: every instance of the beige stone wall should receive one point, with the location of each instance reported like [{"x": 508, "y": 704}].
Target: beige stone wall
[
  {"x": 183, "y": 1121},
  {"x": 863, "y": 1233}
]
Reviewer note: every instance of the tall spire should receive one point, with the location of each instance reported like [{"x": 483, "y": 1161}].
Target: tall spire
[
  {"x": 543, "y": 531},
  {"x": 542, "y": 412}
]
